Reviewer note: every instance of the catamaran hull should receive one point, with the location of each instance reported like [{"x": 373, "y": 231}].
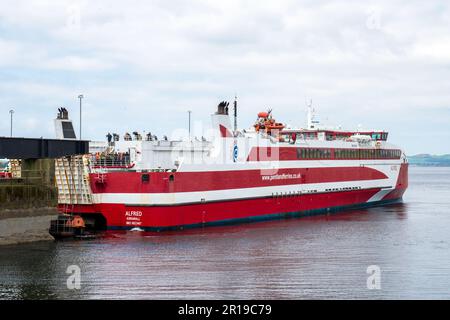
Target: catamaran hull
[{"x": 159, "y": 217}]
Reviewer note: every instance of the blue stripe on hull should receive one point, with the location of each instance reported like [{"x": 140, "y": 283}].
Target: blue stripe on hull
[{"x": 274, "y": 216}]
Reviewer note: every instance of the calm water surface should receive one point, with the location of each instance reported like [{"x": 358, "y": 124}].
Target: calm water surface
[{"x": 320, "y": 257}]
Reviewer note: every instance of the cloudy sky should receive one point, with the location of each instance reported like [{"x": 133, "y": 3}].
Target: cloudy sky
[{"x": 142, "y": 64}]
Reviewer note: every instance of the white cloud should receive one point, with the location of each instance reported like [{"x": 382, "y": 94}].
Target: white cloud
[{"x": 378, "y": 61}]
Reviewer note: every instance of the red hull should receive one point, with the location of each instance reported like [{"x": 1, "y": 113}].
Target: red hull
[
  {"x": 161, "y": 217},
  {"x": 175, "y": 217}
]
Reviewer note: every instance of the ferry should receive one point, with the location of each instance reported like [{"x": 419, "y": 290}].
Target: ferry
[{"x": 267, "y": 171}]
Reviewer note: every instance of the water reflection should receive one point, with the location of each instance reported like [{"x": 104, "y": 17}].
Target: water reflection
[{"x": 316, "y": 257}]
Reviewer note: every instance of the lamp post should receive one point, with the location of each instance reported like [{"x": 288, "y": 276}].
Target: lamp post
[
  {"x": 81, "y": 98},
  {"x": 11, "y": 112},
  {"x": 189, "y": 112}
]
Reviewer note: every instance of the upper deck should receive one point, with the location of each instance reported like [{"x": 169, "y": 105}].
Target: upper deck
[{"x": 230, "y": 146}]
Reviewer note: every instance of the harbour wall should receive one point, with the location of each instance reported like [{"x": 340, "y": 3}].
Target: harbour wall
[{"x": 28, "y": 203}]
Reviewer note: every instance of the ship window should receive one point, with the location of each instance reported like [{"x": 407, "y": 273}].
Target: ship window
[
  {"x": 145, "y": 177},
  {"x": 171, "y": 178}
]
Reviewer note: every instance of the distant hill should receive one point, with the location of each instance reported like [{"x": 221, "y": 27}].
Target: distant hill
[{"x": 430, "y": 160}]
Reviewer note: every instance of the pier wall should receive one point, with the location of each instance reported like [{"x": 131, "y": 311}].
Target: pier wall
[{"x": 34, "y": 189}]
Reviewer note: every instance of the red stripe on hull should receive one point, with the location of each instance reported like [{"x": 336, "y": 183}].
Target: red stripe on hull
[
  {"x": 401, "y": 185},
  {"x": 161, "y": 182},
  {"x": 119, "y": 215}
]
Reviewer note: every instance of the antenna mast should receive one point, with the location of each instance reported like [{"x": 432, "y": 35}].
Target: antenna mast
[
  {"x": 310, "y": 117},
  {"x": 235, "y": 114}
]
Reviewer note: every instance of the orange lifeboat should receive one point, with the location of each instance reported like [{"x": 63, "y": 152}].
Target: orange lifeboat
[
  {"x": 267, "y": 123},
  {"x": 263, "y": 114}
]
